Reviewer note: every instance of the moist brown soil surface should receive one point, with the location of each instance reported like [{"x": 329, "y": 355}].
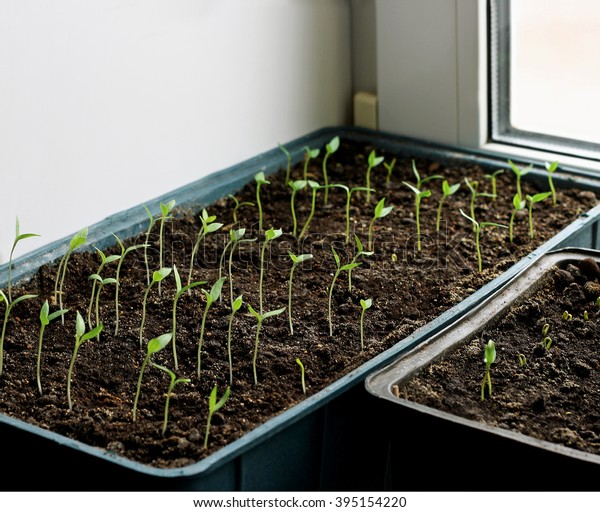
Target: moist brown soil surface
[
  {"x": 408, "y": 288},
  {"x": 554, "y": 395}
]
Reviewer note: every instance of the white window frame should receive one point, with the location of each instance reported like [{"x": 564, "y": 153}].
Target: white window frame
[{"x": 446, "y": 100}]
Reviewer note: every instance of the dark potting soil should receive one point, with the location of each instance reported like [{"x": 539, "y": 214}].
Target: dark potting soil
[
  {"x": 408, "y": 288},
  {"x": 547, "y": 393}
]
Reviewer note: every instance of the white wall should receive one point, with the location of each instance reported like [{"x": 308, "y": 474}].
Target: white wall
[{"x": 105, "y": 104}]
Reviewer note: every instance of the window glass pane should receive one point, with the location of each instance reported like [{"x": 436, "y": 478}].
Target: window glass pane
[{"x": 555, "y": 68}]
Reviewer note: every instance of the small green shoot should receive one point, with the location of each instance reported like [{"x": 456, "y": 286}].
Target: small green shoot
[
  {"x": 154, "y": 345},
  {"x": 151, "y": 223},
  {"x": 478, "y": 227},
  {"x": 165, "y": 209},
  {"x": 157, "y": 277},
  {"x": 472, "y": 186},
  {"x": 519, "y": 173},
  {"x": 214, "y": 406},
  {"x": 302, "y": 374},
  {"x": 531, "y": 200},
  {"x": 364, "y": 304},
  {"x": 522, "y": 360},
  {"x": 18, "y": 238},
  {"x": 547, "y": 341},
  {"x": 211, "y": 298},
  {"x": 295, "y": 186},
  {"x": 447, "y": 190},
  {"x": 349, "y": 192},
  {"x": 309, "y": 154},
  {"x": 179, "y": 291},
  {"x": 124, "y": 252},
  {"x": 288, "y": 157},
  {"x": 551, "y": 169},
  {"x": 173, "y": 382},
  {"x": 380, "y": 212},
  {"x": 260, "y": 179},
  {"x": 314, "y": 187},
  {"x": 339, "y": 269},
  {"x": 235, "y": 307},
  {"x": 104, "y": 260},
  {"x": 518, "y": 205},
  {"x": 359, "y": 252},
  {"x": 260, "y": 318},
  {"x": 101, "y": 284},
  {"x": 80, "y": 337},
  {"x": 493, "y": 177},
  {"x": 45, "y": 318},
  {"x": 208, "y": 226},
  {"x": 77, "y": 241},
  {"x": 422, "y": 181},
  {"x": 330, "y": 149},
  {"x": 7, "y": 310},
  {"x": 567, "y": 317},
  {"x": 586, "y": 315},
  {"x": 390, "y": 168},
  {"x": 237, "y": 206},
  {"x": 489, "y": 358},
  {"x": 296, "y": 260},
  {"x": 419, "y": 195},
  {"x": 373, "y": 161},
  {"x": 236, "y": 237},
  {"x": 270, "y": 235}
]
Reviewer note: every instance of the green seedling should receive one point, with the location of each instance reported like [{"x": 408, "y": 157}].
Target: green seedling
[
  {"x": 380, "y": 212},
  {"x": 124, "y": 252},
  {"x": 165, "y": 209},
  {"x": 478, "y": 227},
  {"x": 295, "y": 186},
  {"x": 154, "y": 345},
  {"x": 547, "y": 341},
  {"x": 77, "y": 241},
  {"x": 314, "y": 187},
  {"x": 214, "y": 406},
  {"x": 260, "y": 318},
  {"x": 518, "y": 204},
  {"x": 522, "y": 360},
  {"x": 531, "y": 200},
  {"x": 309, "y": 154},
  {"x": 208, "y": 226},
  {"x": 260, "y": 179},
  {"x": 551, "y": 169},
  {"x": 104, "y": 260},
  {"x": 237, "y": 206},
  {"x": 80, "y": 337},
  {"x": 419, "y": 196},
  {"x": 236, "y": 237},
  {"x": 489, "y": 358},
  {"x": 45, "y": 318},
  {"x": 296, "y": 260},
  {"x": 421, "y": 181},
  {"x": 330, "y": 149},
  {"x": 339, "y": 269},
  {"x": 447, "y": 190},
  {"x": 364, "y": 304},
  {"x": 18, "y": 238},
  {"x": 586, "y": 315},
  {"x": 235, "y": 307},
  {"x": 349, "y": 192},
  {"x": 211, "y": 297},
  {"x": 519, "y": 173},
  {"x": 288, "y": 157},
  {"x": 173, "y": 382},
  {"x": 390, "y": 169},
  {"x": 359, "y": 252},
  {"x": 302, "y": 374},
  {"x": 7, "y": 310},
  {"x": 472, "y": 186},
  {"x": 566, "y": 316},
  {"x": 493, "y": 177},
  {"x": 373, "y": 161},
  {"x": 157, "y": 277},
  {"x": 270, "y": 235},
  {"x": 101, "y": 284},
  {"x": 151, "y": 223},
  {"x": 179, "y": 291}
]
